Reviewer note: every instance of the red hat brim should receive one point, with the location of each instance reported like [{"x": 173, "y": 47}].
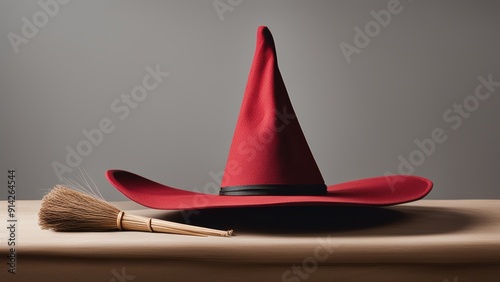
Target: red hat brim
[{"x": 378, "y": 191}]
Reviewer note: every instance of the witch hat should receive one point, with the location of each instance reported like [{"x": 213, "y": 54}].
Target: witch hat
[{"x": 269, "y": 162}]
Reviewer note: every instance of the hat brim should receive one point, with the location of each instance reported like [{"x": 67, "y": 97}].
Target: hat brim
[{"x": 378, "y": 191}]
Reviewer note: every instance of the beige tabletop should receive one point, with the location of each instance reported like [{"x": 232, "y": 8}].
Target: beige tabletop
[{"x": 428, "y": 240}]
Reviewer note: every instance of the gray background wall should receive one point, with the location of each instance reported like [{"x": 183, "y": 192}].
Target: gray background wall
[{"x": 358, "y": 117}]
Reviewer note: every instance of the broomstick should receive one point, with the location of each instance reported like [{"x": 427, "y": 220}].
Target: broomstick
[{"x": 64, "y": 209}]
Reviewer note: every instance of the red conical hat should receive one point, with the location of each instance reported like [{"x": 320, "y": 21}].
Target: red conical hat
[
  {"x": 269, "y": 160},
  {"x": 268, "y": 146}
]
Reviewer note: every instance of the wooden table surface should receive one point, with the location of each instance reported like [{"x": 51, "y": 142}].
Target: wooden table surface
[{"x": 428, "y": 240}]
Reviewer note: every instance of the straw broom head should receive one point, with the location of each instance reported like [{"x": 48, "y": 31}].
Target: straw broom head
[{"x": 64, "y": 209}]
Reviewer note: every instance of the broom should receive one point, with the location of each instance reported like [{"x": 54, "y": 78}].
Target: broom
[{"x": 64, "y": 209}]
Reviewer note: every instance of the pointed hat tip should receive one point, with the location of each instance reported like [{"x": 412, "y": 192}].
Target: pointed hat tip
[
  {"x": 264, "y": 32},
  {"x": 265, "y": 39},
  {"x": 263, "y": 29}
]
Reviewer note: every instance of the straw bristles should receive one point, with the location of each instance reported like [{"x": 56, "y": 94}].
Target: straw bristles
[{"x": 64, "y": 209}]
